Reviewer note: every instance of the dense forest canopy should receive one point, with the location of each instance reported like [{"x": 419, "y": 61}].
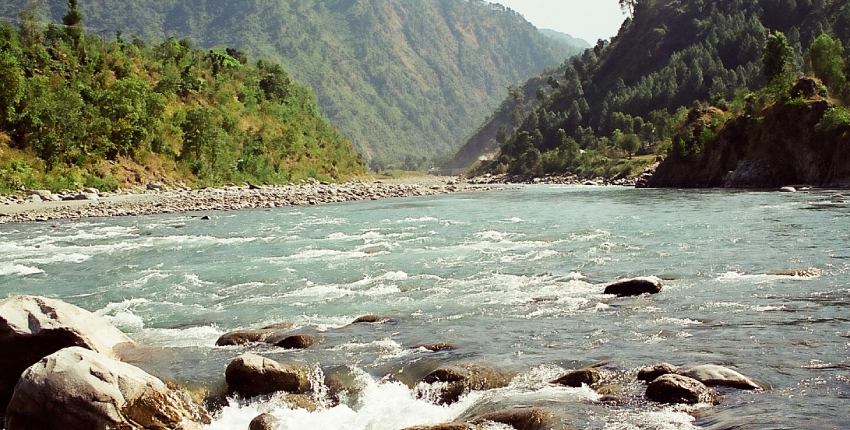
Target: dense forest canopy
[
  {"x": 404, "y": 79},
  {"x": 627, "y": 95},
  {"x": 78, "y": 110}
]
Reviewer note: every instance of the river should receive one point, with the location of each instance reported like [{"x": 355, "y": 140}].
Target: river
[{"x": 755, "y": 281}]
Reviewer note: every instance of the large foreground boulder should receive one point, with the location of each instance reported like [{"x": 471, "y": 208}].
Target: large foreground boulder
[
  {"x": 34, "y": 327},
  {"x": 719, "y": 376},
  {"x": 634, "y": 287},
  {"x": 79, "y": 389},
  {"x": 672, "y": 388},
  {"x": 251, "y": 375}
]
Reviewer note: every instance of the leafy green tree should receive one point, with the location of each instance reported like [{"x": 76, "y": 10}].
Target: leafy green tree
[
  {"x": 778, "y": 56},
  {"x": 828, "y": 65},
  {"x": 11, "y": 87},
  {"x": 629, "y": 143}
]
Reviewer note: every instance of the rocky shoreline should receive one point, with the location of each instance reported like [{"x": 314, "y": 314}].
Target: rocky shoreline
[
  {"x": 560, "y": 180},
  {"x": 158, "y": 199}
]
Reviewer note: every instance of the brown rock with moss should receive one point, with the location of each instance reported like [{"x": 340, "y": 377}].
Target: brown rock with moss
[{"x": 251, "y": 375}]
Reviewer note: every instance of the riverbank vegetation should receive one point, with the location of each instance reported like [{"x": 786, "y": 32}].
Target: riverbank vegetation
[
  {"x": 637, "y": 93},
  {"x": 77, "y": 110}
]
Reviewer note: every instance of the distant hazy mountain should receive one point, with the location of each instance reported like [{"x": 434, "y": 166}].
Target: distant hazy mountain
[
  {"x": 402, "y": 78},
  {"x": 572, "y": 41}
]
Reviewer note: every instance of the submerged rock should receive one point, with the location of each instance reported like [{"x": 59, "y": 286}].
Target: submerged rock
[
  {"x": 634, "y": 287},
  {"x": 649, "y": 374},
  {"x": 34, "y": 327},
  {"x": 79, "y": 389},
  {"x": 580, "y": 377},
  {"x": 719, "y": 376},
  {"x": 520, "y": 418},
  {"x": 672, "y": 388},
  {"x": 367, "y": 319},
  {"x": 251, "y": 375},
  {"x": 435, "y": 347}
]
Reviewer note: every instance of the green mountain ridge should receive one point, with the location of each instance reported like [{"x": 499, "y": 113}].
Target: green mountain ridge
[
  {"x": 574, "y": 41},
  {"x": 668, "y": 57},
  {"x": 403, "y": 79}
]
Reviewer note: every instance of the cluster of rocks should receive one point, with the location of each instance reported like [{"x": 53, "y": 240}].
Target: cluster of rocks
[
  {"x": 489, "y": 179},
  {"x": 157, "y": 199},
  {"x": 61, "y": 368}
]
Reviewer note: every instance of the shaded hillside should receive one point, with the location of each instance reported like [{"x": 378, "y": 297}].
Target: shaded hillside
[
  {"x": 401, "y": 78},
  {"x": 579, "y": 43},
  {"x": 627, "y": 95}
]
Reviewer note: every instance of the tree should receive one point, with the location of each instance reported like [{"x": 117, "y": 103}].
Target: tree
[
  {"x": 73, "y": 20},
  {"x": 777, "y": 56},
  {"x": 628, "y": 6},
  {"x": 827, "y": 63}
]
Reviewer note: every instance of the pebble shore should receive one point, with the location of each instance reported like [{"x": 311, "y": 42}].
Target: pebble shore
[{"x": 160, "y": 200}]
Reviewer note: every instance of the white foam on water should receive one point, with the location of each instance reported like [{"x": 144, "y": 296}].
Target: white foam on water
[
  {"x": 381, "y": 405},
  {"x": 678, "y": 321},
  {"x": 7, "y": 269},
  {"x": 121, "y": 315},
  {"x": 200, "y": 336},
  {"x": 389, "y": 349},
  {"x": 73, "y": 257},
  {"x": 762, "y": 278},
  {"x": 669, "y": 418}
]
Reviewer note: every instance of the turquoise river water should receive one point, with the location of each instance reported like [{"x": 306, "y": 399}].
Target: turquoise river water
[{"x": 755, "y": 281}]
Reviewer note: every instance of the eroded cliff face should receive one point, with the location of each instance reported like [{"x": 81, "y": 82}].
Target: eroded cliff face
[{"x": 782, "y": 147}]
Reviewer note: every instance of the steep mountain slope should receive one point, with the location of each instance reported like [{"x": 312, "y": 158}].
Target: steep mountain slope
[
  {"x": 401, "y": 78},
  {"x": 671, "y": 54},
  {"x": 580, "y": 43}
]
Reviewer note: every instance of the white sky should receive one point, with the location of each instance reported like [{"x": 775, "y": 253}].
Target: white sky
[{"x": 586, "y": 19}]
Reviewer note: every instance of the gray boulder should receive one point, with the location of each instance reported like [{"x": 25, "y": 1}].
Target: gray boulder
[
  {"x": 634, "y": 287},
  {"x": 648, "y": 374},
  {"x": 79, "y": 389},
  {"x": 672, "y": 388},
  {"x": 251, "y": 375},
  {"x": 719, "y": 376},
  {"x": 34, "y": 327}
]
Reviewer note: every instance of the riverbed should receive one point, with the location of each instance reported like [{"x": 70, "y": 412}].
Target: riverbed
[{"x": 755, "y": 281}]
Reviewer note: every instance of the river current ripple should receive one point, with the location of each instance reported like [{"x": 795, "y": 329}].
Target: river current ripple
[{"x": 756, "y": 281}]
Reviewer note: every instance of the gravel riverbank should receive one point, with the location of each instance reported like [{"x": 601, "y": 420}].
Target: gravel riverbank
[{"x": 40, "y": 207}]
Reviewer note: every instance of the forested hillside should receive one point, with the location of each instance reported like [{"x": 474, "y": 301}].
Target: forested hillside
[
  {"x": 76, "y": 111},
  {"x": 629, "y": 95},
  {"x": 404, "y": 79}
]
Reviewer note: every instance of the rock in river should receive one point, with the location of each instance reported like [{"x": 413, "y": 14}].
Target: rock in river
[
  {"x": 635, "y": 287},
  {"x": 680, "y": 389},
  {"x": 462, "y": 378},
  {"x": 79, "y": 389},
  {"x": 252, "y": 375},
  {"x": 580, "y": 377},
  {"x": 34, "y": 327},
  {"x": 264, "y": 422},
  {"x": 649, "y": 374},
  {"x": 719, "y": 376}
]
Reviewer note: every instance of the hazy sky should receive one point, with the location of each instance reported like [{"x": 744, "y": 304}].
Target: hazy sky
[{"x": 586, "y": 19}]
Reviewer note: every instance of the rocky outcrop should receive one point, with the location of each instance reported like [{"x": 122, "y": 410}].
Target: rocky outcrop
[
  {"x": 680, "y": 389},
  {"x": 634, "y": 287},
  {"x": 79, "y": 389},
  {"x": 719, "y": 376},
  {"x": 34, "y": 327},
  {"x": 459, "y": 379},
  {"x": 580, "y": 377},
  {"x": 251, "y": 375},
  {"x": 781, "y": 148}
]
